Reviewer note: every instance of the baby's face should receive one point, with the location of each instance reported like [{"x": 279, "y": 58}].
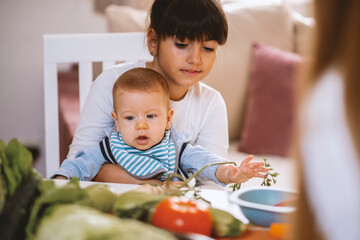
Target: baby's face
[{"x": 142, "y": 117}]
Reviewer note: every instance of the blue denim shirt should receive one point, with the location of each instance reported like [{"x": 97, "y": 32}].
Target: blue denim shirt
[{"x": 88, "y": 162}]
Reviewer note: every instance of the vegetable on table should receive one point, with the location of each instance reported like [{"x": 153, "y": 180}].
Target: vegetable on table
[
  {"x": 34, "y": 208},
  {"x": 142, "y": 206},
  {"x": 101, "y": 197},
  {"x": 181, "y": 215},
  {"x": 280, "y": 230},
  {"x": 72, "y": 221},
  {"x": 225, "y": 224},
  {"x": 136, "y": 205},
  {"x": 18, "y": 189}
]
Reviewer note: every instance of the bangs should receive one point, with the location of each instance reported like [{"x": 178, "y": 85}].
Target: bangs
[{"x": 194, "y": 20}]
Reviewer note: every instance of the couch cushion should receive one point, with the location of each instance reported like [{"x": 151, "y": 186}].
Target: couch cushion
[
  {"x": 269, "y": 23},
  {"x": 270, "y": 105},
  {"x": 100, "y": 5},
  {"x": 125, "y": 19}
]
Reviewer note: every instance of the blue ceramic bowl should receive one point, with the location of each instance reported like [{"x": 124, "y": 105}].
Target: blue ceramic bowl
[{"x": 257, "y": 204}]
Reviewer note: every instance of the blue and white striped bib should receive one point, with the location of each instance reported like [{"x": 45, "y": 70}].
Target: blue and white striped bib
[{"x": 148, "y": 163}]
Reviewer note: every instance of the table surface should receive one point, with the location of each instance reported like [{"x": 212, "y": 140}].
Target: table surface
[
  {"x": 253, "y": 233},
  {"x": 218, "y": 199}
]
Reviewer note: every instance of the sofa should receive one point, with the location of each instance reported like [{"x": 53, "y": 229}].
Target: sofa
[{"x": 255, "y": 71}]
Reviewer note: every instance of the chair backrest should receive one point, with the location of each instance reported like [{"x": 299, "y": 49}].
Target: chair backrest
[{"x": 83, "y": 49}]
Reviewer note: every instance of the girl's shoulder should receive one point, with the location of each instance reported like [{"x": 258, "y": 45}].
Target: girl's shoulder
[
  {"x": 119, "y": 69},
  {"x": 203, "y": 90}
]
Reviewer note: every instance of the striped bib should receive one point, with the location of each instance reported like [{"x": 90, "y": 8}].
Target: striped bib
[{"x": 147, "y": 163}]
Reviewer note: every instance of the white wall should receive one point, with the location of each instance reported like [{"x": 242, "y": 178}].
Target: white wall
[{"x": 22, "y": 24}]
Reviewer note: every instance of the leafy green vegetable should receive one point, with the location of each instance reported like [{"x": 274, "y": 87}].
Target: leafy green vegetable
[
  {"x": 21, "y": 159},
  {"x": 16, "y": 162},
  {"x": 15, "y": 215},
  {"x": 9, "y": 177},
  {"x": 136, "y": 205},
  {"x": 51, "y": 196},
  {"x": 92, "y": 224},
  {"x": 3, "y": 189},
  {"x": 101, "y": 197},
  {"x": 18, "y": 188}
]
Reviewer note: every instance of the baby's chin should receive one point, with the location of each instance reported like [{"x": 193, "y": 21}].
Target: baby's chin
[{"x": 143, "y": 147}]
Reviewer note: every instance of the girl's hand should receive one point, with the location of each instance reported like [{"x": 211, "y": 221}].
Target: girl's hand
[{"x": 229, "y": 173}]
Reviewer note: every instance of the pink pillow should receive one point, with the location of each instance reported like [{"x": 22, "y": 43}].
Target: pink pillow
[{"x": 269, "y": 113}]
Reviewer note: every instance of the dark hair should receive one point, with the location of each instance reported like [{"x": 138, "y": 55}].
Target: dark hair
[
  {"x": 141, "y": 79},
  {"x": 189, "y": 19}
]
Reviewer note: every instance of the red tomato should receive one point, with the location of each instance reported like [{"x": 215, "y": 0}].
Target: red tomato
[{"x": 182, "y": 215}]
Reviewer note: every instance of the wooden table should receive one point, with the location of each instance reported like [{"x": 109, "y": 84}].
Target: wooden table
[{"x": 253, "y": 233}]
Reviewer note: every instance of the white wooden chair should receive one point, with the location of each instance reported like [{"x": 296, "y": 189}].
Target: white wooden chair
[{"x": 83, "y": 49}]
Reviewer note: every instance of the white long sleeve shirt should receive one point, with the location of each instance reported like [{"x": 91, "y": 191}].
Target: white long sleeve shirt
[
  {"x": 201, "y": 114},
  {"x": 331, "y": 165}
]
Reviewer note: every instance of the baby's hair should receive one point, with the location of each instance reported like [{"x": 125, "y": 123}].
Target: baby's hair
[
  {"x": 189, "y": 19},
  {"x": 141, "y": 79}
]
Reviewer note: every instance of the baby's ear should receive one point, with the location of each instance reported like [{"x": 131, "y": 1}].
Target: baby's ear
[
  {"x": 114, "y": 116},
  {"x": 170, "y": 114}
]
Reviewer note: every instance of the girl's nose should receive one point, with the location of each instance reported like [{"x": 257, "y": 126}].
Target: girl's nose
[
  {"x": 195, "y": 55},
  {"x": 141, "y": 124}
]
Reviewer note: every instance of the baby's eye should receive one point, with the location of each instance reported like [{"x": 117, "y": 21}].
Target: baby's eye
[
  {"x": 180, "y": 45},
  {"x": 151, "y": 116},
  {"x": 129, "y": 118}
]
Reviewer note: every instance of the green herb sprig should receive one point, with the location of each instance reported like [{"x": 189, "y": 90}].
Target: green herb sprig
[
  {"x": 184, "y": 188},
  {"x": 270, "y": 177}
]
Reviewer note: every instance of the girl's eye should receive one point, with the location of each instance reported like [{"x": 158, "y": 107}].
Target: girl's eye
[
  {"x": 209, "y": 49},
  {"x": 180, "y": 45},
  {"x": 129, "y": 118},
  {"x": 150, "y": 116}
]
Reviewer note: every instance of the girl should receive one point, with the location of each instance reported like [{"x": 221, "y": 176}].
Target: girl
[
  {"x": 329, "y": 140},
  {"x": 183, "y": 36}
]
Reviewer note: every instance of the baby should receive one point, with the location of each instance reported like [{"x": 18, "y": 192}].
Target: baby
[{"x": 145, "y": 144}]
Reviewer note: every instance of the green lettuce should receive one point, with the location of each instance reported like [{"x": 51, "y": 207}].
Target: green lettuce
[{"x": 73, "y": 221}]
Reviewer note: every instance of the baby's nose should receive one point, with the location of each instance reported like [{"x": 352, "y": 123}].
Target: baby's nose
[{"x": 141, "y": 124}]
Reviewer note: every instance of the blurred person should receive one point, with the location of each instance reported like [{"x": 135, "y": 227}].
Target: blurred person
[{"x": 328, "y": 142}]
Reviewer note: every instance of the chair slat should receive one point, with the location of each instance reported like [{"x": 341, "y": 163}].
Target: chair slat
[
  {"x": 85, "y": 80},
  {"x": 51, "y": 118}
]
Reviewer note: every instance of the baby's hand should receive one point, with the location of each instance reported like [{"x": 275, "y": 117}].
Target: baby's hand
[{"x": 239, "y": 174}]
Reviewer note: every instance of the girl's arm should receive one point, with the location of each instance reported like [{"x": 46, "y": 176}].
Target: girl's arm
[
  {"x": 213, "y": 135},
  {"x": 95, "y": 119}
]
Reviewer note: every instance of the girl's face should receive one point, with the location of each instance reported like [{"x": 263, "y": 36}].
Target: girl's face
[
  {"x": 142, "y": 117},
  {"x": 184, "y": 63}
]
